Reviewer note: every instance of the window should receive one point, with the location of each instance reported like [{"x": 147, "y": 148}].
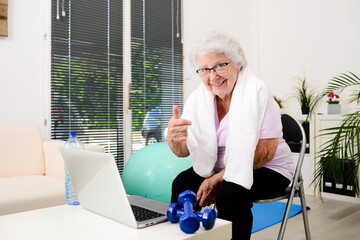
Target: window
[
  {"x": 86, "y": 73},
  {"x": 156, "y": 67}
]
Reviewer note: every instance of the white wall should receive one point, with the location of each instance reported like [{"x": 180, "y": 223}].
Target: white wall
[
  {"x": 22, "y": 64},
  {"x": 320, "y": 37},
  {"x": 202, "y": 16},
  {"x": 282, "y": 38}
]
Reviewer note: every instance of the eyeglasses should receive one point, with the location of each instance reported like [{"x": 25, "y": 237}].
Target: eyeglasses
[{"x": 219, "y": 68}]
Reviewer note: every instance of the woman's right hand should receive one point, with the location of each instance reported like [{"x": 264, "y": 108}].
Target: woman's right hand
[
  {"x": 177, "y": 133},
  {"x": 206, "y": 195}
]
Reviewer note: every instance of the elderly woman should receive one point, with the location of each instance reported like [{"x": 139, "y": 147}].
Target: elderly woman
[{"x": 231, "y": 127}]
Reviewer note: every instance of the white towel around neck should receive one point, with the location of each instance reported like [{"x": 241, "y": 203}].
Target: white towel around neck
[{"x": 246, "y": 113}]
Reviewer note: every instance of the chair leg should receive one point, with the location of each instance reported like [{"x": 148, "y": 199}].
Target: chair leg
[
  {"x": 285, "y": 218},
  {"x": 304, "y": 211}
]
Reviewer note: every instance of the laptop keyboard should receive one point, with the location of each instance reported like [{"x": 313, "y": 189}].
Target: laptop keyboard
[{"x": 142, "y": 214}]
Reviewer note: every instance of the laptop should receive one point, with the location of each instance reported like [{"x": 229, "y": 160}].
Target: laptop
[{"x": 99, "y": 187}]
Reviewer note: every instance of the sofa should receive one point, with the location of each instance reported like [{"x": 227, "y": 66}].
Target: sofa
[{"x": 31, "y": 170}]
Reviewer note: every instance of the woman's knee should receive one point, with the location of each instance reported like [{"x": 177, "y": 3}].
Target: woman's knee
[
  {"x": 233, "y": 199},
  {"x": 186, "y": 180},
  {"x": 177, "y": 187}
]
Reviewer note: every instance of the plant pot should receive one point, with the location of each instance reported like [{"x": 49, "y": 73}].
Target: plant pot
[
  {"x": 334, "y": 109},
  {"x": 305, "y": 110},
  {"x": 342, "y": 186}
]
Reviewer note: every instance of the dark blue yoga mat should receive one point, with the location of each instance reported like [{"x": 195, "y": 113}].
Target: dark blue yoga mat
[{"x": 268, "y": 214}]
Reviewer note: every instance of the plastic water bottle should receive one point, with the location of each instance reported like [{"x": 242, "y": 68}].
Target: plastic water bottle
[{"x": 70, "y": 194}]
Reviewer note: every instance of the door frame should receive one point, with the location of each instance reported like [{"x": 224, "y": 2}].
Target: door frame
[{"x": 127, "y": 78}]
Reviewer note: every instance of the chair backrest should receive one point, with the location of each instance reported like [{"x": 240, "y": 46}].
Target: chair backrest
[
  {"x": 294, "y": 135},
  {"x": 291, "y": 132}
]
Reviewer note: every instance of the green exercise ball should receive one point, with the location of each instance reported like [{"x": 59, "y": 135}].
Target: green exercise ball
[{"x": 151, "y": 171}]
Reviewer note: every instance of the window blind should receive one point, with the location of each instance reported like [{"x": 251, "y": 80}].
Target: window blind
[
  {"x": 156, "y": 66},
  {"x": 86, "y": 73}
]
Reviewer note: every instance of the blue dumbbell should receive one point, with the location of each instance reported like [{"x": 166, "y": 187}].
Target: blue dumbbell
[
  {"x": 207, "y": 217},
  {"x": 189, "y": 219}
]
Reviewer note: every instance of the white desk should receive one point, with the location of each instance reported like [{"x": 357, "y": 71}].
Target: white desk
[{"x": 74, "y": 222}]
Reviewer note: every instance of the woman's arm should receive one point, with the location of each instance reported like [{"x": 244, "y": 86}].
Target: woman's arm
[
  {"x": 265, "y": 152},
  {"x": 206, "y": 194},
  {"x": 178, "y": 148}
]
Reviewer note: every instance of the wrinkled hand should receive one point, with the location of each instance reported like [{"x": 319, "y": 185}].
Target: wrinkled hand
[
  {"x": 177, "y": 128},
  {"x": 207, "y": 191}
]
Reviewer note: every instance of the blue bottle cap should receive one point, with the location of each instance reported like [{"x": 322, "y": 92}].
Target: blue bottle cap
[{"x": 72, "y": 134}]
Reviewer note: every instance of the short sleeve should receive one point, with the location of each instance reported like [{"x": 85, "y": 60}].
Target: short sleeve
[{"x": 271, "y": 125}]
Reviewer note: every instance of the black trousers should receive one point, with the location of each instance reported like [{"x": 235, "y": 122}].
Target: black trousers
[{"x": 233, "y": 201}]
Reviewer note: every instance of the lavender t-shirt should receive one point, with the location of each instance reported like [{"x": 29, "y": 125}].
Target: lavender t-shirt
[{"x": 271, "y": 127}]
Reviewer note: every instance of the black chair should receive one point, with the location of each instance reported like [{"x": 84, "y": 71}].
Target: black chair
[{"x": 294, "y": 135}]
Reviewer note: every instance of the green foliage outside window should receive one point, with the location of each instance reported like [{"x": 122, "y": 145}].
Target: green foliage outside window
[{"x": 146, "y": 78}]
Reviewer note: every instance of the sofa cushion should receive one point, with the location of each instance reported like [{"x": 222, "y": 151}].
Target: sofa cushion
[
  {"x": 54, "y": 163},
  {"x": 21, "y": 151},
  {"x": 30, "y": 192}
]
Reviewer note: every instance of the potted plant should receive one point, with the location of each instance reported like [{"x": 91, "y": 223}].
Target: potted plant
[
  {"x": 339, "y": 157},
  {"x": 333, "y": 103},
  {"x": 333, "y": 98},
  {"x": 304, "y": 95}
]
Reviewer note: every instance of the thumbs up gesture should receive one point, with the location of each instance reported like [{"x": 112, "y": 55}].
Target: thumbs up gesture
[
  {"x": 177, "y": 133},
  {"x": 176, "y": 112}
]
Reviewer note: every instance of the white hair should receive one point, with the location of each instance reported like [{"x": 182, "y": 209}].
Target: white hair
[{"x": 217, "y": 42}]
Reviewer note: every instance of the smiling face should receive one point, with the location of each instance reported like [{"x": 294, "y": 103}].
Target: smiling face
[{"x": 219, "y": 83}]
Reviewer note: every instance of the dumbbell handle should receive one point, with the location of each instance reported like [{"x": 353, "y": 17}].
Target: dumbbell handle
[
  {"x": 180, "y": 212},
  {"x": 188, "y": 207}
]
